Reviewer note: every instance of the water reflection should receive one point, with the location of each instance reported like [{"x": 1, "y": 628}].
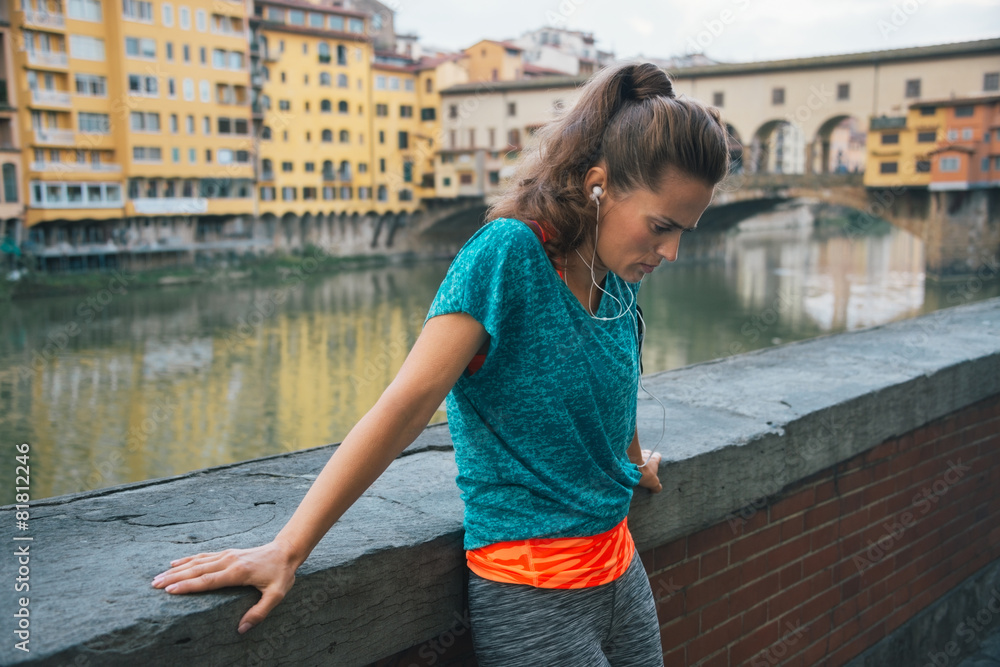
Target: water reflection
[{"x": 160, "y": 383}]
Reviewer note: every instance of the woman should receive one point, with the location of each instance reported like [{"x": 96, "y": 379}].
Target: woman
[{"x": 533, "y": 338}]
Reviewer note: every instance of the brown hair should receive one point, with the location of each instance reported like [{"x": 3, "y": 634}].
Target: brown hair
[{"x": 629, "y": 120}]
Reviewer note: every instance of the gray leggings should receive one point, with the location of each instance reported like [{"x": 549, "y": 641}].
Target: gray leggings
[{"x": 613, "y": 624}]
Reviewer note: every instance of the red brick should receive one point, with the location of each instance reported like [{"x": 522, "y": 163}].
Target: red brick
[
  {"x": 679, "y": 632},
  {"x": 712, "y": 641},
  {"x": 825, "y": 491},
  {"x": 714, "y": 561},
  {"x": 855, "y": 480},
  {"x": 785, "y": 553},
  {"x": 824, "y": 536},
  {"x": 852, "y": 523},
  {"x": 788, "y": 599},
  {"x": 821, "y": 604},
  {"x": 879, "y": 491},
  {"x": 670, "y": 608},
  {"x": 820, "y": 560},
  {"x": 858, "y": 645},
  {"x": 679, "y": 576},
  {"x": 845, "y": 611},
  {"x": 709, "y": 538},
  {"x": 754, "y": 618},
  {"x": 712, "y": 589},
  {"x": 814, "y": 653},
  {"x": 670, "y": 553},
  {"x": 792, "y": 526},
  {"x": 793, "y": 504},
  {"x": 753, "y": 544},
  {"x": 822, "y": 514},
  {"x": 676, "y": 658},
  {"x": 741, "y": 652},
  {"x": 753, "y": 569},
  {"x": 886, "y": 450},
  {"x": 715, "y": 614},
  {"x": 791, "y": 574},
  {"x": 755, "y": 593}
]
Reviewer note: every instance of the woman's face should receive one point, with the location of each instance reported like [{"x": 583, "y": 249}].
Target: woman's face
[{"x": 640, "y": 229}]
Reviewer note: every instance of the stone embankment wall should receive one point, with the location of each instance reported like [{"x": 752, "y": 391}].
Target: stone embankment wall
[{"x": 833, "y": 501}]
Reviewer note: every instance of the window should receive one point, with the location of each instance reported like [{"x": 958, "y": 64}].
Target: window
[
  {"x": 97, "y": 123},
  {"x": 188, "y": 90},
  {"x": 342, "y": 81},
  {"x": 926, "y": 137},
  {"x": 284, "y": 105},
  {"x": 85, "y": 10},
  {"x": 991, "y": 81},
  {"x": 964, "y": 111},
  {"x": 379, "y": 82},
  {"x": 381, "y": 165},
  {"x": 325, "y": 106},
  {"x": 173, "y": 123},
  {"x": 928, "y": 111},
  {"x": 137, "y": 10},
  {"x": 393, "y": 83},
  {"x": 888, "y": 168},
  {"x": 136, "y": 47},
  {"x": 777, "y": 96},
  {"x": 205, "y": 90},
  {"x": 718, "y": 99},
  {"x": 206, "y": 125},
  {"x": 445, "y": 182},
  {"x": 381, "y": 109},
  {"x": 345, "y": 137},
  {"x": 405, "y": 111},
  {"x": 288, "y": 193},
  {"x": 235, "y": 60},
  {"x": 9, "y": 182},
  {"x": 167, "y": 14},
  {"x": 381, "y": 136},
  {"x": 404, "y": 140},
  {"x": 952, "y": 135},
  {"x": 219, "y": 58},
  {"x": 192, "y": 156},
  {"x": 310, "y": 167},
  {"x": 296, "y": 17},
  {"x": 324, "y": 79},
  {"x": 511, "y": 109},
  {"x": 514, "y": 138},
  {"x": 187, "y": 53},
  {"x": 146, "y": 154},
  {"x": 890, "y": 138},
  {"x": 985, "y": 165},
  {"x": 326, "y": 136},
  {"x": 92, "y": 85},
  {"x": 208, "y": 156},
  {"x": 146, "y": 86},
  {"x": 342, "y": 106},
  {"x": 949, "y": 164},
  {"x": 86, "y": 48},
  {"x": 923, "y": 166},
  {"x": 465, "y": 178},
  {"x": 175, "y": 155},
  {"x": 407, "y": 172},
  {"x": 356, "y": 25},
  {"x": 189, "y": 124},
  {"x": 170, "y": 50},
  {"x": 185, "y": 18},
  {"x": 145, "y": 121},
  {"x": 843, "y": 91},
  {"x": 428, "y": 113},
  {"x": 201, "y": 55},
  {"x": 967, "y": 134},
  {"x": 408, "y": 85},
  {"x": 287, "y": 166},
  {"x": 200, "y": 20},
  {"x": 912, "y": 88}
]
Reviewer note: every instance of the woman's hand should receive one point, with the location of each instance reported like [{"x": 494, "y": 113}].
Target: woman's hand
[
  {"x": 650, "y": 471},
  {"x": 269, "y": 568}
]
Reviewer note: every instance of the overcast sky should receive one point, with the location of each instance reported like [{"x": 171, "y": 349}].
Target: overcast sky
[{"x": 726, "y": 30}]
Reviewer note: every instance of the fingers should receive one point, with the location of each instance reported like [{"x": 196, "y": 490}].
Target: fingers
[
  {"x": 257, "y": 613},
  {"x": 194, "y": 568}
]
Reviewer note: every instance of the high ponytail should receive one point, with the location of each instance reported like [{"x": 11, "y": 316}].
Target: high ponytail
[{"x": 629, "y": 118}]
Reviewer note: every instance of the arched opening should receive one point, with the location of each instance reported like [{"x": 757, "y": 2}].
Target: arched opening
[
  {"x": 778, "y": 148},
  {"x": 839, "y": 147}
]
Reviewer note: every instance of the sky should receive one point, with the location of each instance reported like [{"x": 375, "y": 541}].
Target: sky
[{"x": 726, "y": 30}]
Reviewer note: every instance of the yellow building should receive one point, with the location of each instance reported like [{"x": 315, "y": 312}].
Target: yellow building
[
  {"x": 11, "y": 199},
  {"x": 135, "y": 127},
  {"x": 899, "y": 147},
  {"x": 314, "y": 109},
  {"x": 489, "y": 60}
]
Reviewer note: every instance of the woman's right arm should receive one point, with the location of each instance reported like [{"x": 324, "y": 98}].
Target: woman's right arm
[{"x": 438, "y": 358}]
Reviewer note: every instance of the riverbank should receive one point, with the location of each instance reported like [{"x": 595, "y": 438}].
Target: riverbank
[{"x": 277, "y": 268}]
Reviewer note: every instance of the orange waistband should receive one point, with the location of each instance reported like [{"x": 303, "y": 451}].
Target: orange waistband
[{"x": 560, "y": 562}]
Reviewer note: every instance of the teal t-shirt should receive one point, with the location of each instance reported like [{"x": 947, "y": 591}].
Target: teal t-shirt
[{"x": 542, "y": 429}]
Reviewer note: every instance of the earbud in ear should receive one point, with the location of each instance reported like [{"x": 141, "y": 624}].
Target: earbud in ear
[{"x": 596, "y": 192}]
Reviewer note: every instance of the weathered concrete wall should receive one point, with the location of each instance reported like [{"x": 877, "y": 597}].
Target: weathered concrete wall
[{"x": 390, "y": 574}]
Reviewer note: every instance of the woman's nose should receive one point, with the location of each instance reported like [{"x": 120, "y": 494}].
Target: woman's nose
[{"x": 668, "y": 249}]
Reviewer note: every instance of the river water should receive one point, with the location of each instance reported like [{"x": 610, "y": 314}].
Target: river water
[{"x": 149, "y": 384}]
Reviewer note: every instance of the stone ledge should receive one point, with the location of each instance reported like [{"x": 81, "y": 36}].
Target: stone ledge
[{"x": 390, "y": 573}]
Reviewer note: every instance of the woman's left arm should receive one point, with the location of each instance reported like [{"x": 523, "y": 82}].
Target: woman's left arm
[{"x": 650, "y": 471}]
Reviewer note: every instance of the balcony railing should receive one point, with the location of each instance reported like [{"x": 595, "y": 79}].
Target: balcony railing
[
  {"x": 267, "y": 176},
  {"x": 44, "y": 19},
  {"x": 55, "y": 137},
  {"x": 51, "y": 98},
  {"x": 48, "y": 58},
  {"x": 66, "y": 167}
]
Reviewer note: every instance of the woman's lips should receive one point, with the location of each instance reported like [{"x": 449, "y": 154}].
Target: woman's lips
[{"x": 648, "y": 268}]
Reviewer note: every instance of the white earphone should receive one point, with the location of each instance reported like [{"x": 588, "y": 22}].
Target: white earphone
[{"x": 596, "y": 193}]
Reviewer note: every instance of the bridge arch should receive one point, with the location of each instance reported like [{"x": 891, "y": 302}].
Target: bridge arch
[
  {"x": 838, "y": 147},
  {"x": 777, "y": 148}
]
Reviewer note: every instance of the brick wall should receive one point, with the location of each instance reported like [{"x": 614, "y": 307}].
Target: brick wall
[{"x": 830, "y": 566}]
